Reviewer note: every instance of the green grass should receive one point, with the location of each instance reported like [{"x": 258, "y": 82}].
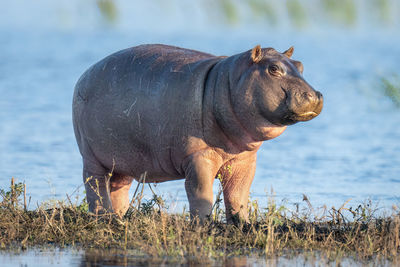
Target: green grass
[
  {"x": 391, "y": 88},
  {"x": 150, "y": 230}
]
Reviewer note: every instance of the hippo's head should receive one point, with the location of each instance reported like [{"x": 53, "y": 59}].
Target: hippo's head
[{"x": 272, "y": 86}]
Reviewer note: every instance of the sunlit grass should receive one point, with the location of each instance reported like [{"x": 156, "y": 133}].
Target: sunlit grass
[
  {"x": 262, "y": 9},
  {"x": 391, "y": 88},
  {"x": 108, "y": 10},
  {"x": 383, "y": 8},
  {"x": 342, "y": 11},
  {"x": 296, "y": 13},
  {"x": 301, "y": 14},
  {"x": 149, "y": 229}
]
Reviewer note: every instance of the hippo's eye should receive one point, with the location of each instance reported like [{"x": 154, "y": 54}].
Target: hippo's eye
[{"x": 274, "y": 70}]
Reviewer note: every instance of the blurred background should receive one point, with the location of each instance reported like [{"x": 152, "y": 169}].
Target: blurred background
[{"x": 350, "y": 50}]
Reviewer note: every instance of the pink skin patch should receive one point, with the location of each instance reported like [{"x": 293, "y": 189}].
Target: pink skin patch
[
  {"x": 272, "y": 132},
  {"x": 263, "y": 133}
]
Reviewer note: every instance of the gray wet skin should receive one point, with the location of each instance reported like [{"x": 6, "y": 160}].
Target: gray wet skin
[{"x": 182, "y": 114}]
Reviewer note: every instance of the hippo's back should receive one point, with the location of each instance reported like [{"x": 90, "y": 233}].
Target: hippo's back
[
  {"x": 131, "y": 63},
  {"x": 126, "y": 106}
]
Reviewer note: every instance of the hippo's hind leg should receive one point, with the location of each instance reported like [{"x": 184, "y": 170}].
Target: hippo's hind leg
[
  {"x": 119, "y": 193},
  {"x": 200, "y": 171},
  {"x": 96, "y": 180},
  {"x": 237, "y": 176}
]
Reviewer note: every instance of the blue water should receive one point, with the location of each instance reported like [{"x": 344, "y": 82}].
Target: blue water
[
  {"x": 351, "y": 151},
  {"x": 92, "y": 257}
]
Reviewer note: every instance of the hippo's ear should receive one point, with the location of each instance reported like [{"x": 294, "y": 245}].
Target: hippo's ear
[
  {"x": 256, "y": 54},
  {"x": 289, "y": 52}
]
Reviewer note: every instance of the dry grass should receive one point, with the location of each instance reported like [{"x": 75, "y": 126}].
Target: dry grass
[{"x": 148, "y": 229}]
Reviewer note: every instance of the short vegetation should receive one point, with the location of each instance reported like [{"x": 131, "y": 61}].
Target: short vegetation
[
  {"x": 152, "y": 232},
  {"x": 391, "y": 88}
]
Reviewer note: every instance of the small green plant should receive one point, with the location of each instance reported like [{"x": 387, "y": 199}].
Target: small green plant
[
  {"x": 84, "y": 205},
  {"x": 228, "y": 168},
  {"x": 11, "y": 197},
  {"x": 391, "y": 88},
  {"x": 108, "y": 10},
  {"x": 148, "y": 207},
  {"x": 297, "y": 13}
]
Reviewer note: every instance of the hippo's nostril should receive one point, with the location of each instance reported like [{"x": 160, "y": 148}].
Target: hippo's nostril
[
  {"x": 308, "y": 96},
  {"x": 312, "y": 96}
]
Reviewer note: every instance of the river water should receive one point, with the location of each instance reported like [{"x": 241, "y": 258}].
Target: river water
[
  {"x": 92, "y": 257},
  {"x": 351, "y": 151}
]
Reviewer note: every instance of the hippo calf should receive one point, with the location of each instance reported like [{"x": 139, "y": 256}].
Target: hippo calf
[{"x": 176, "y": 113}]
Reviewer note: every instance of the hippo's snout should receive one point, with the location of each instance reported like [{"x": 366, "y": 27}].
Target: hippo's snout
[{"x": 304, "y": 106}]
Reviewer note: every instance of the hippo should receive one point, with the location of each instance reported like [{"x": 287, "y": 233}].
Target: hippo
[{"x": 175, "y": 113}]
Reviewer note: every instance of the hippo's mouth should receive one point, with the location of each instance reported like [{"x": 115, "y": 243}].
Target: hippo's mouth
[
  {"x": 306, "y": 116},
  {"x": 297, "y": 117},
  {"x": 298, "y": 111}
]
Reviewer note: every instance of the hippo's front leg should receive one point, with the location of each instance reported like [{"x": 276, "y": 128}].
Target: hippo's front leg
[
  {"x": 119, "y": 193},
  {"x": 200, "y": 171},
  {"x": 237, "y": 176}
]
